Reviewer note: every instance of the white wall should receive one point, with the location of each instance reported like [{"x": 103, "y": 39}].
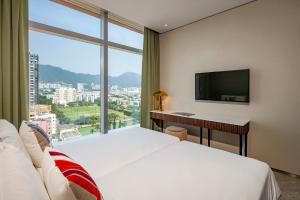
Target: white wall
[{"x": 263, "y": 36}]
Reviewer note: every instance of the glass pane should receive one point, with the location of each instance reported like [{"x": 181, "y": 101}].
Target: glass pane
[
  {"x": 57, "y": 15},
  {"x": 124, "y": 98},
  {"x": 121, "y": 35},
  {"x": 66, "y": 101}
]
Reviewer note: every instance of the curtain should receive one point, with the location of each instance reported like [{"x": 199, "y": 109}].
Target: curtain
[
  {"x": 14, "y": 60},
  {"x": 150, "y": 74}
]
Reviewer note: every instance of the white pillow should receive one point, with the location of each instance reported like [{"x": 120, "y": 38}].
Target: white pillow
[
  {"x": 29, "y": 138},
  {"x": 19, "y": 179},
  {"x": 31, "y": 144},
  {"x": 40, "y": 172},
  {"x": 56, "y": 184},
  {"x": 9, "y": 134}
]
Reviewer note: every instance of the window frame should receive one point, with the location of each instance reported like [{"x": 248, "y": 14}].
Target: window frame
[
  {"x": 95, "y": 12},
  {"x": 106, "y": 18}
]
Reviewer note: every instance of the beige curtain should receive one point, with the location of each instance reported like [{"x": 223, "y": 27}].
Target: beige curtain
[
  {"x": 150, "y": 74},
  {"x": 14, "y": 60}
]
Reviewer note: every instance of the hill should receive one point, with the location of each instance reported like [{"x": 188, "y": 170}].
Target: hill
[{"x": 52, "y": 74}]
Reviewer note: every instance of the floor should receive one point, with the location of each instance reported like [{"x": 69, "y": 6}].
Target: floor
[{"x": 289, "y": 186}]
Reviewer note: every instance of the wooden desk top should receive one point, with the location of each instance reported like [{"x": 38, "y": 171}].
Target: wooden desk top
[
  {"x": 237, "y": 126},
  {"x": 238, "y": 122}
]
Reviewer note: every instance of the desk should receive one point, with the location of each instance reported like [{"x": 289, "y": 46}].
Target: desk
[{"x": 234, "y": 126}]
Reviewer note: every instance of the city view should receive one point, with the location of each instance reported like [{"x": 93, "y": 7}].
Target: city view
[
  {"x": 64, "y": 71},
  {"x": 67, "y": 104}
]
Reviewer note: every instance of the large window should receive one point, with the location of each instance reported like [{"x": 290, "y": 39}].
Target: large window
[
  {"x": 121, "y": 35},
  {"x": 57, "y": 15},
  {"x": 67, "y": 55},
  {"x": 124, "y": 83}
]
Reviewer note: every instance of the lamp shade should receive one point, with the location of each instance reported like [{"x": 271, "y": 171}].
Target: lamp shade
[
  {"x": 160, "y": 93},
  {"x": 158, "y": 97}
]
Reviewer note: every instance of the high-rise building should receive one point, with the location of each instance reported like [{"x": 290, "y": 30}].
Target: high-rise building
[
  {"x": 33, "y": 78},
  {"x": 64, "y": 95}
]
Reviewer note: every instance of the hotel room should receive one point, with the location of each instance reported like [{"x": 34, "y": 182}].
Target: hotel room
[{"x": 140, "y": 100}]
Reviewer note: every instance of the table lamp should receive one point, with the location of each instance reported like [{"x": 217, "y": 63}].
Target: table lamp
[{"x": 157, "y": 99}]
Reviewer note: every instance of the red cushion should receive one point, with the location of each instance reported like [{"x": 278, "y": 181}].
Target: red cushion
[{"x": 77, "y": 176}]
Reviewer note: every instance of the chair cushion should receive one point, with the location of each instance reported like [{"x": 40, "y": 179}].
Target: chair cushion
[
  {"x": 19, "y": 179},
  {"x": 66, "y": 179},
  {"x": 35, "y": 140},
  {"x": 176, "y": 129}
]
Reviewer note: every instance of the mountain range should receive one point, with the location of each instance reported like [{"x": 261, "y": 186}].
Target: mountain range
[{"x": 52, "y": 74}]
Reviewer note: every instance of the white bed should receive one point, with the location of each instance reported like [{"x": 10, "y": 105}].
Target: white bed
[
  {"x": 102, "y": 154},
  {"x": 191, "y": 171},
  {"x": 141, "y": 164}
]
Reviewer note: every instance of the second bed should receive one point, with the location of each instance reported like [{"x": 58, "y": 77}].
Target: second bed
[{"x": 141, "y": 164}]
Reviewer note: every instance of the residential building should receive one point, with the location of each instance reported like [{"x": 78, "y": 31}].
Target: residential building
[
  {"x": 41, "y": 115},
  {"x": 33, "y": 78},
  {"x": 64, "y": 95}
]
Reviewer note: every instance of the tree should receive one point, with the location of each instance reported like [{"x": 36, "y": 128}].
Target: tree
[
  {"x": 81, "y": 120},
  {"x": 43, "y": 100},
  {"x": 120, "y": 123},
  {"x": 93, "y": 120},
  {"x": 113, "y": 105},
  {"x": 59, "y": 114},
  {"x": 136, "y": 115},
  {"x": 128, "y": 112},
  {"x": 112, "y": 117},
  {"x": 80, "y": 103},
  {"x": 97, "y": 101}
]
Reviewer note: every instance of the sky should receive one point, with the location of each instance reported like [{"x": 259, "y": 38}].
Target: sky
[{"x": 77, "y": 56}]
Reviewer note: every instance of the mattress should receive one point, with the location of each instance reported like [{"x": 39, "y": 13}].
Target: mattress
[
  {"x": 191, "y": 171},
  {"x": 101, "y": 154}
]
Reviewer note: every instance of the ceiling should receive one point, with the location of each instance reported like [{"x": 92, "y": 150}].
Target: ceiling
[{"x": 165, "y": 15}]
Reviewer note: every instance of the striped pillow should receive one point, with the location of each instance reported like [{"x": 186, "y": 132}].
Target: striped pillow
[
  {"x": 78, "y": 179},
  {"x": 41, "y": 136},
  {"x": 35, "y": 140}
]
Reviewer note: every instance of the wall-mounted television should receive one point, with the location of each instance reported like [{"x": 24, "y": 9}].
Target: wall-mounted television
[{"x": 230, "y": 86}]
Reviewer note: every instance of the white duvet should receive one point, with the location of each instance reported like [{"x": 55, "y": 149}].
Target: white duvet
[
  {"x": 101, "y": 154},
  {"x": 187, "y": 171}
]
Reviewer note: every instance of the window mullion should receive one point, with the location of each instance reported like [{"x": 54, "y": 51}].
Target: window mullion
[
  {"x": 104, "y": 75},
  {"x": 125, "y": 48}
]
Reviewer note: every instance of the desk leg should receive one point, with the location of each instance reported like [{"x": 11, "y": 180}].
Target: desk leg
[
  {"x": 246, "y": 135},
  {"x": 162, "y": 125},
  {"x": 241, "y": 144},
  {"x": 200, "y": 135},
  {"x": 152, "y": 124},
  {"x": 208, "y": 136}
]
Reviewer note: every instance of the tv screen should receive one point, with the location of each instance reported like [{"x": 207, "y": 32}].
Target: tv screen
[{"x": 223, "y": 86}]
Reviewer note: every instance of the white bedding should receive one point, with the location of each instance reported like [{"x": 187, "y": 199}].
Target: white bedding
[
  {"x": 187, "y": 171},
  {"x": 101, "y": 154}
]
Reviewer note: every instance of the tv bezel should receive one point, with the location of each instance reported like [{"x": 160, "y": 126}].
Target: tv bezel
[{"x": 214, "y": 100}]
